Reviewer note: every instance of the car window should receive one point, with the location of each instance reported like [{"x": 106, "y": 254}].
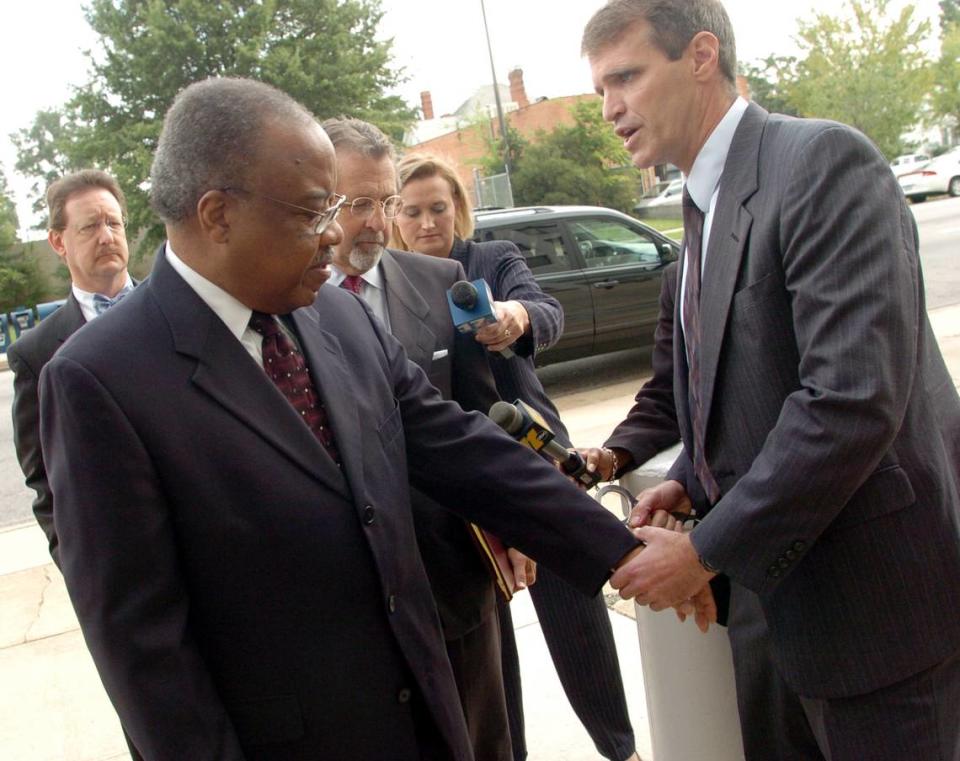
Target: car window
[
  {"x": 541, "y": 245},
  {"x": 609, "y": 242}
]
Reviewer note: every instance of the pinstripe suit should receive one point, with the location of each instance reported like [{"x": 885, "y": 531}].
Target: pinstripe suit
[
  {"x": 577, "y": 628},
  {"x": 833, "y": 430}
]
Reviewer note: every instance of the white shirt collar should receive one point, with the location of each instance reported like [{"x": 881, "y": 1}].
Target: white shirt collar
[
  {"x": 708, "y": 166},
  {"x": 85, "y": 299},
  {"x": 235, "y": 315},
  {"x": 372, "y": 276}
]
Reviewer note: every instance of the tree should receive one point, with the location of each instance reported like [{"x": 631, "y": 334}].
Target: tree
[
  {"x": 865, "y": 68},
  {"x": 949, "y": 13},
  {"x": 9, "y": 223},
  {"x": 946, "y": 94},
  {"x": 764, "y": 79},
  {"x": 581, "y": 163},
  {"x": 324, "y": 53}
]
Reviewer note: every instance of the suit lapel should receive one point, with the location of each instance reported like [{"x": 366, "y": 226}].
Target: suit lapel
[
  {"x": 71, "y": 320},
  {"x": 729, "y": 233},
  {"x": 408, "y": 313},
  {"x": 229, "y": 375},
  {"x": 335, "y": 387}
]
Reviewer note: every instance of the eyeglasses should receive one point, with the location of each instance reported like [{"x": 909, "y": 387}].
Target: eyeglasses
[
  {"x": 321, "y": 219},
  {"x": 92, "y": 229},
  {"x": 364, "y": 207}
]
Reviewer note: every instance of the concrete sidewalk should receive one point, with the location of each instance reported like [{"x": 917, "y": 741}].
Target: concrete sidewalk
[{"x": 53, "y": 708}]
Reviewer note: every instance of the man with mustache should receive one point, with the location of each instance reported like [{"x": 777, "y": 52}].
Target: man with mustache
[
  {"x": 239, "y": 546},
  {"x": 87, "y": 211}
]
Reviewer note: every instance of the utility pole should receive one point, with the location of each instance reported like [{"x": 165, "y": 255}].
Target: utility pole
[{"x": 496, "y": 95}]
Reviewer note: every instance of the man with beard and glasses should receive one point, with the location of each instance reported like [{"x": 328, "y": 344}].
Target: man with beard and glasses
[{"x": 408, "y": 293}]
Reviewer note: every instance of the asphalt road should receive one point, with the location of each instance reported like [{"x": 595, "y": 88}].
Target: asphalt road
[{"x": 604, "y": 377}]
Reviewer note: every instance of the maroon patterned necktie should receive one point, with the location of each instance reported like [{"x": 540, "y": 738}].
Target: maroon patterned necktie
[
  {"x": 693, "y": 236},
  {"x": 284, "y": 363},
  {"x": 353, "y": 283}
]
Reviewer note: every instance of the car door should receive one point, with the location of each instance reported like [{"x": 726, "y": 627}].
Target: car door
[
  {"x": 623, "y": 262},
  {"x": 542, "y": 246}
]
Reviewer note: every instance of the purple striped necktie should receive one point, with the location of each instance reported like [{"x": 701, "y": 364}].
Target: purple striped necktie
[
  {"x": 286, "y": 366},
  {"x": 693, "y": 237}
]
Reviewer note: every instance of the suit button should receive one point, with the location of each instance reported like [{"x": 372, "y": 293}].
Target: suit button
[
  {"x": 799, "y": 546},
  {"x": 783, "y": 562},
  {"x": 392, "y": 603},
  {"x": 791, "y": 555},
  {"x": 773, "y": 571},
  {"x": 404, "y": 696},
  {"x": 369, "y": 514}
]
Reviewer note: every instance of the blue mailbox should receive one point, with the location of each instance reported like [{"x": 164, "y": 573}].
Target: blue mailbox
[
  {"x": 4, "y": 335},
  {"x": 47, "y": 308},
  {"x": 22, "y": 319}
]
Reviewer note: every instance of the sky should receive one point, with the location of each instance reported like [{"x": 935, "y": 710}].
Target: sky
[{"x": 440, "y": 44}]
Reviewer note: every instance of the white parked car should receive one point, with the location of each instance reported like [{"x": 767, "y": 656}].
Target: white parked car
[
  {"x": 941, "y": 175},
  {"x": 909, "y": 162},
  {"x": 664, "y": 199}
]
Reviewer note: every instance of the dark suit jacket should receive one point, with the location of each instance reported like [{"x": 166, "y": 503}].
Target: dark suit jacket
[
  {"x": 27, "y": 356},
  {"x": 832, "y": 425},
  {"x": 651, "y": 424},
  {"x": 502, "y": 265},
  {"x": 242, "y": 597},
  {"x": 420, "y": 319}
]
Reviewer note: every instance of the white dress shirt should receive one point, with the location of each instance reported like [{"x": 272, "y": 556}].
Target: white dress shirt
[
  {"x": 703, "y": 182},
  {"x": 85, "y": 299},
  {"x": 234, "y": 315},
  {"x": 374, "y": 291}
]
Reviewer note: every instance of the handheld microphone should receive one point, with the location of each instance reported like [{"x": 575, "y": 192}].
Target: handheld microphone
[
  {"x": 524, "y": 424},
  {"x": 471, "y": 307}
]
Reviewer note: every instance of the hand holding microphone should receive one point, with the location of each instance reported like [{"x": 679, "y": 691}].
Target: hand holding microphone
[
  {"x": 496, "y": 324},
  {"x": 526, "y": 426}
]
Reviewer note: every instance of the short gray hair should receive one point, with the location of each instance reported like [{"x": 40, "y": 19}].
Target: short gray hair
[
  {"x": 673, "y": 24},
  {"x": 358, "y": 136},
  {"x": 209, "y": 136}
]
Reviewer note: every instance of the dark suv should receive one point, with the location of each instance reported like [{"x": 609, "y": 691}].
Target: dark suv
[{"x": 602, "y": 266}]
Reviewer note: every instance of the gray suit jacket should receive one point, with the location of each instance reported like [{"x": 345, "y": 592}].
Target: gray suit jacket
[
  {"x": 832, "y": 425},
  {"x": 27, "y": 356},
  {"x": 456, "y": 364}
]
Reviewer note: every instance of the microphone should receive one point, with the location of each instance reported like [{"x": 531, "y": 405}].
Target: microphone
[
  {"x": 526, "y": 425},
  {"x": 471, "y": 307}
]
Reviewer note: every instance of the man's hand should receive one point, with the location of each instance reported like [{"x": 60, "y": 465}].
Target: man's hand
[
  {"x": 512, "y": 322},
  {"x": 605, "y": 461},
  {"x": 701, "y": 606},
  {"x": 669, "y": 496},
  {"x": 524, "y": 568},
  {"x": 665, "y": 574}
]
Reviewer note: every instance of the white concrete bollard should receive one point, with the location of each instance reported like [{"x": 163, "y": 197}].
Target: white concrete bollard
[{"x": 687, "y": 675}]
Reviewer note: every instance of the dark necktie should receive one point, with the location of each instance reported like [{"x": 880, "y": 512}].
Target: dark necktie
[
  {"x": 693, "y": 237},
  {"x": 102, "y": 303},
  {"x": 353, "y": 283},
  {"x": 284, "y": 363}
]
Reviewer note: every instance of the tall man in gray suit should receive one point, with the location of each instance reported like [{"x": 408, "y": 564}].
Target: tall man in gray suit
[
  {"x": 815, "y": 409},
  {"x": 407, "y": 292}
]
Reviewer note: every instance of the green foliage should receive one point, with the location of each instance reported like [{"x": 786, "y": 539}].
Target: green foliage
[
  {"x": 492, "y": 161},
  {"x": 764, "y": 78},
  {"x": 946, "y": 74},
  {"x": 8, "y": 216},
  {"x": 864, "y": 68},
  {"x": 324, "y": 53},
  {"x": 949, "y": 13},
  {"x": 582, "y": 163},
  {"x": 21, "y": 281}
]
